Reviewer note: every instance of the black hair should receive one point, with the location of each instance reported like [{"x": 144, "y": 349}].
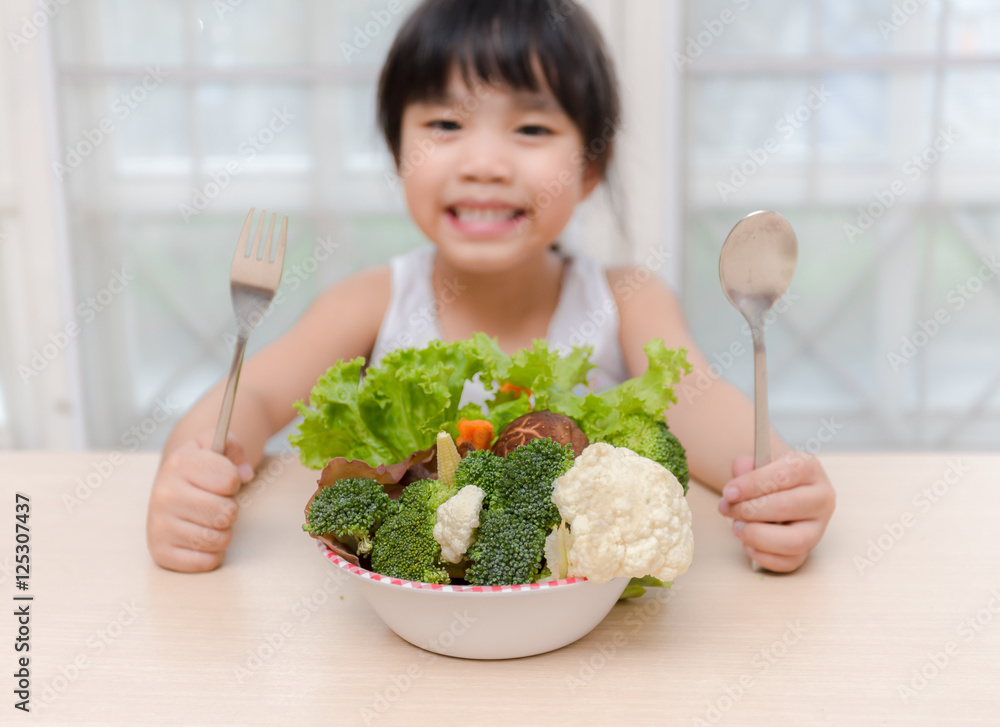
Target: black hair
[{"x": 505, "y": 42}]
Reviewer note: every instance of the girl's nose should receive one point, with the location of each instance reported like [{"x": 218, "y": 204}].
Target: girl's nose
[{"x": 485, "y": 161}]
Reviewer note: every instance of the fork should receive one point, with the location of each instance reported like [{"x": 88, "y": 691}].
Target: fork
[{"x": 253, "y": 281}]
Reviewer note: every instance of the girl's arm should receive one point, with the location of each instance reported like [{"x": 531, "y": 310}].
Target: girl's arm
[
  {"x": 342, "y": 323},
  {"x": 192, "y": 506},
  {"x": 779, "y": 511}
]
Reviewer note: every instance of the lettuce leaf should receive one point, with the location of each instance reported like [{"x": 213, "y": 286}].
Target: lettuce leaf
[
  {"x": 398, "y": 407},
  {"x": 650, "y": 394}
]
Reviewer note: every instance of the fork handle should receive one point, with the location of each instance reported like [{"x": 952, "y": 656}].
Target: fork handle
[{"x": 226, "y": 413}]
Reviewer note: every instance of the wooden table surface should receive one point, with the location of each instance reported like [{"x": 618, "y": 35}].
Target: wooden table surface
[{"x": 895, "y": 619}]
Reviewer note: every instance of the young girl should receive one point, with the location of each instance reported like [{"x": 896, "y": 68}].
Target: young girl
[{"x": 501, "y": 118}]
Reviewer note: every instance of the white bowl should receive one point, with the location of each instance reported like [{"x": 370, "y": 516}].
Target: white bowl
[{"x": 486, "y": 622}]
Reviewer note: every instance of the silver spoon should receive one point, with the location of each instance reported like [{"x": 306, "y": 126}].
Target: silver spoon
[{"x": 756, "y": 267}]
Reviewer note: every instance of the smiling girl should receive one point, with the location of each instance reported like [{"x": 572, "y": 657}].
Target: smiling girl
[{"x": 501, "y": 117}]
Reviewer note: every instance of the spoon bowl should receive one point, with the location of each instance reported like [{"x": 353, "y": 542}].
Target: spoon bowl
[{"x": 756, "y": 266}]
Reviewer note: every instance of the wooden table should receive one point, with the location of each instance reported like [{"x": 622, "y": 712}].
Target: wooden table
[{"x": 894, "y": 620}]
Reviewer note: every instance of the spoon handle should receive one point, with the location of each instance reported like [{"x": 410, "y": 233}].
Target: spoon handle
[{"x": 762, "y": 426}]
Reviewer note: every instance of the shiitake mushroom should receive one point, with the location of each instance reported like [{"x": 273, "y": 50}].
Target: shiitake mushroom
[{"x": 540, "y": 424}]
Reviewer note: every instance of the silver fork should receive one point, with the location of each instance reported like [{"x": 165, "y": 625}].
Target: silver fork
[{"x": 253, "y": 281}]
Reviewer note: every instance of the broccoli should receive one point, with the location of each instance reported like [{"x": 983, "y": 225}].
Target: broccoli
[
  {"x": 404, "y": 547},
  {"x": 531, "y": 469},
  {"x": 508, "y": 550},
  {"x": 351, "y": 509},
  {"x": 518, "y": 512},
  {"x": 652, "y": 439},
  {"x": 484, "y": 469}
]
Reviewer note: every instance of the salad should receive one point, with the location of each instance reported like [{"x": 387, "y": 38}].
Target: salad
[{"x": 545, "y": 480}]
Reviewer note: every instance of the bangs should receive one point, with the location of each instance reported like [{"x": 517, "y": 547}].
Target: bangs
[
  {"x": 524, "y": 45},
  {"x": 483, "y": 53}
]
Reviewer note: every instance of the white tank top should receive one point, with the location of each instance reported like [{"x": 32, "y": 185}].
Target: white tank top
[{"x": 585, "y": 315}]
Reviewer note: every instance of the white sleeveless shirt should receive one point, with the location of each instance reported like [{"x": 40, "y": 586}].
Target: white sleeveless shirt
[{"x": 585, "y": 315}]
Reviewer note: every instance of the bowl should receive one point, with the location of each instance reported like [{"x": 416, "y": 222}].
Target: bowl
[{"x": 486, "y": 622}]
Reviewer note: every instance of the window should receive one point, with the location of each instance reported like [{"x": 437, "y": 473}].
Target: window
[{"x": 872, "y": 126}]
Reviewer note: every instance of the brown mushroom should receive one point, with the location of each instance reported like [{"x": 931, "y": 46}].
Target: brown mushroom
[{"x": 541, "y": 424}]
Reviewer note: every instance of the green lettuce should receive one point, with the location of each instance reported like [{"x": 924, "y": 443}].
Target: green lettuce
[{"x": 398, "y": 407}]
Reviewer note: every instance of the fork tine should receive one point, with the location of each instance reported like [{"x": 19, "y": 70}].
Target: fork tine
[
  {"x": 245, "y": 233},
  {"x": 279, "y": 257},
  {"x": 255, "y": 253},
  {"x": 270, "y": 239}
]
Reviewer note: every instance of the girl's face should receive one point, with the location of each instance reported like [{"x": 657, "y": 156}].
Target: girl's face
[{"x": 491, "y": 175}]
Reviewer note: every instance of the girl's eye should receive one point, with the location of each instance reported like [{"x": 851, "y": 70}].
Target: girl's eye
[
  {"x": 534, "y": 130},
  {"x": 444, "y": 125}
]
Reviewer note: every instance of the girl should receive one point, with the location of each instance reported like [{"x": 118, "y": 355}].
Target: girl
[{"x": 501, "y": 118}]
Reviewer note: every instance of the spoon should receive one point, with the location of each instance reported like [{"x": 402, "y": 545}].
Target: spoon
[{"x": 755, "y": 268}]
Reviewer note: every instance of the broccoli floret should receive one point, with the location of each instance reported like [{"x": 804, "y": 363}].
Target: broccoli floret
[
  {"x": 652, "y": 439},
  {"x": 530, "y": 471},
  {"x": 404, "y": 547},
  {"x": 484, "y": 469},
  {"x": 508, "y": 550},
  {"x": 518, "y": 513},
  {"x": 352, "y": 510}
]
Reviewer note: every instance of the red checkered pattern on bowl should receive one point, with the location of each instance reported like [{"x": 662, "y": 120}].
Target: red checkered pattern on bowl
[{"x": 358, "y": 571}]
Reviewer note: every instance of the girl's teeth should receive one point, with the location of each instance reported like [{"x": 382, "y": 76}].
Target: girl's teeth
[{"x": 484, "y": 215}]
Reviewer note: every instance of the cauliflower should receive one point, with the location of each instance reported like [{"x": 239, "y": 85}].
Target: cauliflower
[
  {"x": 457, "y": 520},
  {"x": 627, "y": 517}
]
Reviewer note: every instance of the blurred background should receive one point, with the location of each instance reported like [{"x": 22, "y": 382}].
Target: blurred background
[{"x": 136, "y": 134}]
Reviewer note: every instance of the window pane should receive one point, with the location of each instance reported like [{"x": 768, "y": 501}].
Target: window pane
[
  {"x": 243, "y": 122},
  {"x": 140, "y": 31},
  {"x": 862, "y": 27},
  {"x": 251, "y": 32},
  {"x": 974, "y": 27},
  {"x": 737, "y": 27}
]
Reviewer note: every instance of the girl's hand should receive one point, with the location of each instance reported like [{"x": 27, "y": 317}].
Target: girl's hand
[
  {"x": 779, "y": 511},
  {"x": 193, "y": 507}
]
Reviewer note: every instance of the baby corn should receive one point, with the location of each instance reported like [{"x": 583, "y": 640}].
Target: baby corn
[{"x": 447, "y": 459}]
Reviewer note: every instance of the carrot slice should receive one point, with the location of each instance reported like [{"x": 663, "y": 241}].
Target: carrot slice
[
  {"x": 477, "y": 432},
  {"x": 514, "y": 389}
]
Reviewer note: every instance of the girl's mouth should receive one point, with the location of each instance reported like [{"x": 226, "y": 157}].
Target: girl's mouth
[{"x": 485, "y": 221}]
